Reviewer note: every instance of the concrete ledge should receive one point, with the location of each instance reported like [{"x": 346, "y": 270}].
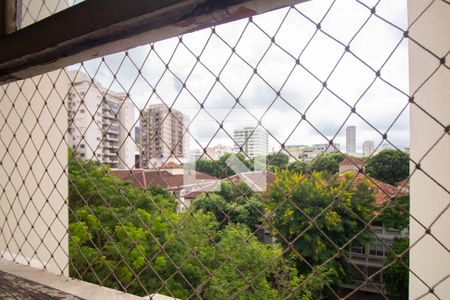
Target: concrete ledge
[{"x": 74, "y": 287}]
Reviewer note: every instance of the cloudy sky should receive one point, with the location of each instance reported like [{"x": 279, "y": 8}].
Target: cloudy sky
[{"x": 187, "y": 82}]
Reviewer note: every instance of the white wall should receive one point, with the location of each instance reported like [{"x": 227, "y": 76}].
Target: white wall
[
  {"x": 428, "y": 259},
  {"x": 33, "y": 187}
]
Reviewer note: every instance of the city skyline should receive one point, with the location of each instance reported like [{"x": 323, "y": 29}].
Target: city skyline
[{"x": 197, "y": 91}]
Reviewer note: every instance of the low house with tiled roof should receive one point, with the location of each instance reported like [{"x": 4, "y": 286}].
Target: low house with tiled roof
[
  {"x": 171, "y": 179},
  {"x": 351, "y": 163}
]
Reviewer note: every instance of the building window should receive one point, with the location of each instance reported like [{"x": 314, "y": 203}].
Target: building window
[
  {"x": 356, "y": 248},
  {"x": 372, "y": 270},
  {"x": 376, "y": 248},
  {"x": 82, "y": 146}
]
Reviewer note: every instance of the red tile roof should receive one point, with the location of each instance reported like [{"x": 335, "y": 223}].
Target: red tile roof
[
  {"x": 351, "y": 160},
  {"x": 135, "y": 177},
  {"x": 144, "y": 178},
  {"x": 171, "y": 165},
  {"x": 403, "y": 186},
  {"x": 383, "y": 191}
]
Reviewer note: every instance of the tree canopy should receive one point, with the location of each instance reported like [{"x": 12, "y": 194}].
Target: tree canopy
[
  {"x": 298, "y": 167},
  {"x": 277, "y": 161},
  {"x": 219, "y": 168},
  {"x": 132, "y": 240},
  {"x": 390, "y": 166},
  {"x": 396, "y": 275},
  {"x": 235, "y": 203},
  {"x": 396, "y": 214},
  {"x": 328, "y": 162},
  {"x": 318, "y": 214}
]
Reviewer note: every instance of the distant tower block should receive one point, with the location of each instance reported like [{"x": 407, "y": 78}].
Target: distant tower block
[{"x": 350, "y": 135}]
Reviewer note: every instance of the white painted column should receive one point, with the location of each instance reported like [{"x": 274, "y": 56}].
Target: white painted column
[
  {"x": 33, "y": 154},
  {"x": 428, "y": 258}
]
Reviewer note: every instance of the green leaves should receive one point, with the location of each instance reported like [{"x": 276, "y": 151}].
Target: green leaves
[
  {"x": 131, "y": 239},
  {"x": 396, "y": 276},
  {"x": 310, "y": 210},
  {"x": 327, "y": 163},
  {"x": 390, "y": 166}
]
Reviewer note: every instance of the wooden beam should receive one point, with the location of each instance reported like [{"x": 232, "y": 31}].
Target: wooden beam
[
  {"x": 8, "y": 9},
  {"x": 95, "y": 28}
]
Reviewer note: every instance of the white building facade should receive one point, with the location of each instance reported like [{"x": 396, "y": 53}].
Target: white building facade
[
  {"x": 253, "y": 141},
  {"x": 100, "y": 123},
  {"x": 368, "y": 148},
  {"x": 350, "y": 139}
]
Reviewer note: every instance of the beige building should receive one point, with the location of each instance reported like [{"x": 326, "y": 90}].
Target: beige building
[
  {"x": 350, "y": 139},
  {"x": 100, "y": 123},
  {"x": 368, "y": 148},
  {"x": 163, "y": 136}
]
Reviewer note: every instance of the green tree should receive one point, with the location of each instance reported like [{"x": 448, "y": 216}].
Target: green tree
[
  {"x": 396, "y": 276},
  {"x": 389, "y": 166},
  {"x": 327, "y": 163},
  {"x": 116, "y": 230},
  {"x": 206, "y": 166},
  {"x": 298, "y": 167},
  {"x": 219, "y": 168},
  {"x": 337, "y": 211},
  {"x": 277, "y": 161},
  {"x": 132, "y": 240},
  {"x": 396, "y": 214},
  {"x": 235, "y": 203}
]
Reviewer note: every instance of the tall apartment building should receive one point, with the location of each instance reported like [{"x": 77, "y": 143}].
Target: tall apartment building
[
  {"x": 163, "y": 135},
  {"x": 368, "y": 148},
  {"x": 100, "y": 123},
  {"x": 350, "y": 139},
  {"x": 253, "y": 141}
]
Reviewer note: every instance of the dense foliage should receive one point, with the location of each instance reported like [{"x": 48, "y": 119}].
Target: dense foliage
[
  {"x": 235, "y": 203},
  {"x": 277, "y": 161},
  {"x": 299, "y": 167},
  {"x": 396, "y": 276},
  {"x": 328, "y": 162},
  {"x": 396, "y": 214},
  {"x": 312, "y": 210},
  {"x": 132, "y": 240},
  {"x": 390, "y": 166},
  {"x": 219, "y": 168}
]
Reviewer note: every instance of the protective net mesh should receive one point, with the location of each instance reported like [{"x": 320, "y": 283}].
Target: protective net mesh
[
  {"x": 32, "y": 11},
  {"x": 212, "y": 165}
]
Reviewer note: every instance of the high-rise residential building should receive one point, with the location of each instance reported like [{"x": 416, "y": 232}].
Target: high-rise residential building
[
  {"x": 350, "y": 139},
  {"x": 253, "y": 141},
  {"x": 100, "y": 123},
  {"x": 163, "y": 135},
  {"x": 368, "y": 148}
]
